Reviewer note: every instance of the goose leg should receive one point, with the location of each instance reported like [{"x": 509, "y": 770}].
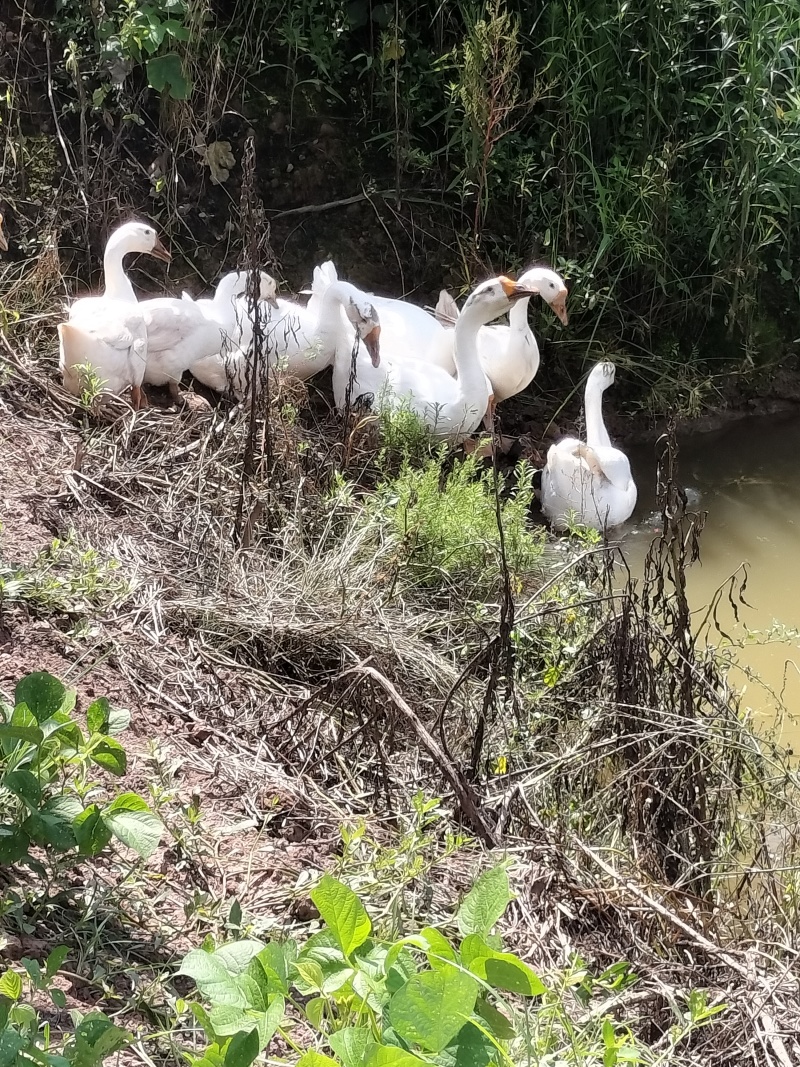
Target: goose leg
[
  {"x": 589, "y": 456},
  {"x": 174, "y": 393},
  {"x": 138, "y": 398}
]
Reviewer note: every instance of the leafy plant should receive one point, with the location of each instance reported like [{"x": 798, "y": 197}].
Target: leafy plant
[
  {"x": 446, "y": 522},
  {"x": 48, "y": 796},
  {"x": 372, "y": 1002},
  {"x": 25, "y": 1038}
]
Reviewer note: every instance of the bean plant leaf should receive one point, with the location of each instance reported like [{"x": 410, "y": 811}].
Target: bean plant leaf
[
  {"x": 103, "y": 718},
  {"x": 391, "y": 1056},
  {"x": 49, "y": 828},
  {"x": 343, "y": 912},
  {"x": 166, "y": 73},
  {"x": 24, "y": 785},
  {"x": 130, "y": 820},
  {"x": 268, "y": 969},
  {"x": 236, "y": 955},
  {"x": 350, "y": 1044},
  {"x": 501, "y": 970},
  {"x": 495, "y": 1021},
  {"x": 439, "y": 948},
  {"x": 55, "y": 959},
  {"x": 11, "y": 1043},
  {"x": 469, "y": 1048},
  {"x": 11, "y": 985},
  {"x": 312, "y": 1058},
  {"x": 485, "y": 902},
  {"x": 10, "y": 732},
  {"x": 242, "y": 1049},
  {"x": 432, "y": 1007},
  {"x": 110, "y": 755},
  {"x": 91, "y": 832},
  {"x": 44, "y": 695},
  {"x": 212, "y": 978},
  {"x": 14, "y": 843},
  {"x": 97, "y": 1038}
]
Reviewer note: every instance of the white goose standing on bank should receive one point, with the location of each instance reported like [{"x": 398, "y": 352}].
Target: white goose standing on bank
[
  {"x": 509, "y": 354},
  {"x": 450, "y": 407},
  {"x": 108, "y": 332},
  {"x": 182, "y": 333},
  {"x": 589, "y": 482}
]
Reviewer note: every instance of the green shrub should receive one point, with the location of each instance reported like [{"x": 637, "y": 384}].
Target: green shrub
[
  {"x": 48, "y": 794},
  {"x": 445, "y": 522}
]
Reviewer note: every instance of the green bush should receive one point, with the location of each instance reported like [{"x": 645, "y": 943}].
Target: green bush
[
  {"x": 48, "y": 794},
  {"x": 446, "y": 526}
]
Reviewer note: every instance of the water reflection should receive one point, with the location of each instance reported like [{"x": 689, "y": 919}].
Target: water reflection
[{"x": 746, "y": 477}]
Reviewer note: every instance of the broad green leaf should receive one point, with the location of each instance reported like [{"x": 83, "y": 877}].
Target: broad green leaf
[
  {"x": 236, "y": 955},
  {"x": 228, "y": 1019},
  {"x": 439, "y": 948},
  {"x": 166, "y": 73},
  {"x": 315, "y": 1011},
  {"x": 391, "y": 1056},
  {"x": 504, "y": 970},
  {"x": 49, "y": 828},
  {"x": 469, "y": 1048},
  {"x": 203, "y": 1017},
  {"x": 312, "y": 1058},
  {"x": 110, "y": 755},
  {"x": 242, "y": 1050},
  {"x": 91, "y": 832},
  {"x": 21, "y": 733},
  {"x": 97, "y": 1038},
  {"x": 11, "y": 985},
  {"x": 55, "y": 959},
  {"x": 64, "y": 806},
  {"x": 44, "y": 695},
  {"x": 432, "y": 1007},
  {"x": 473, "y": 947},
  {"x": 14, "y": 843},
  {"x": 24, "y": 785},
  {"x": 494, "y": 1020},
  {"x": 130, "y": 820},
  {"x": 11, "y": 1043},
  {"x": 58, "y": 997},
  {"x": 212, "y": 978},
  {"x": 343, "y": 913},
  {"x": 103, "y": 718},
  {"x": 350, "y": 1044},
  {"x": 271, "y": 964},
  {"x": 485, "y": 902}
]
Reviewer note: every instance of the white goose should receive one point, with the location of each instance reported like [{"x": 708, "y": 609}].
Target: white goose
[
  {"x": 108, "y": 332},
  {"x": 589, "y": 482},
  {"x": 409, "y": 325},
  {"x": 509, "y": 354},
  {"x": 450, "y": 407},
  {"x": 296, "y": 343},
  {"x": 181, "y": 333}
]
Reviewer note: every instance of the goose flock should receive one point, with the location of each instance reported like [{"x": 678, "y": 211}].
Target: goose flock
[{"x": 451, "y": 368}]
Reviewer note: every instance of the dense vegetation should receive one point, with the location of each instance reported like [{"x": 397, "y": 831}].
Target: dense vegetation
[{"x": 649, "y": 150}]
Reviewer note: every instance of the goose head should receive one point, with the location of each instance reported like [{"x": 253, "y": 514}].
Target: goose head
[
  {"x": 491, "y": 299},
  {"x": 601, "y": 376},
  {"x": 137, "y": 237},
  {"x": 236, "y": 284},
  {"x": 364, "y": 319},
  {"x": 3, "y": 241},
  {"x": 550, "y": 287}
]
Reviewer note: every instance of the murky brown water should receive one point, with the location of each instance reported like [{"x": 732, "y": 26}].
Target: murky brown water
[{"x": 747, "y": 477}]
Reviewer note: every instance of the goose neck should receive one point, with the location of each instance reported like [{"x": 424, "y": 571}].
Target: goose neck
[
  {"x": 596, "y": 433},
  {"x": 117, "y": 283},
  {"x": 471, "y": 378}
]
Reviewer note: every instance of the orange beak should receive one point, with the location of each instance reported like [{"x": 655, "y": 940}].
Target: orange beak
[
  {"x": 372, "y": 343},
  {"x": 160, "y": 252},
  {"x": 559, "y": 306},
  {"x": 515, "y": 291}
]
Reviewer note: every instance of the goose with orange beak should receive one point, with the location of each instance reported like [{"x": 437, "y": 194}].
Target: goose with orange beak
[{"x": 451, "y": 407}]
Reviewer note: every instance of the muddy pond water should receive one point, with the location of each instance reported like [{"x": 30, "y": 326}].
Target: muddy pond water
[{"x": 747, "y": 478}]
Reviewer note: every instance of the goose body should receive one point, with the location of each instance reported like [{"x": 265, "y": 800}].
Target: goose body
[
  {"x": 509, "y": 354},
  {"x": 108, "y": 332},
  {"x": 451, "y": 407},
  {"x": 408, "y": 325},
  {"x": 182, "y": 333},
  {"x": 303, "y": 341},
  {"x": 589, "y": 481}
]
